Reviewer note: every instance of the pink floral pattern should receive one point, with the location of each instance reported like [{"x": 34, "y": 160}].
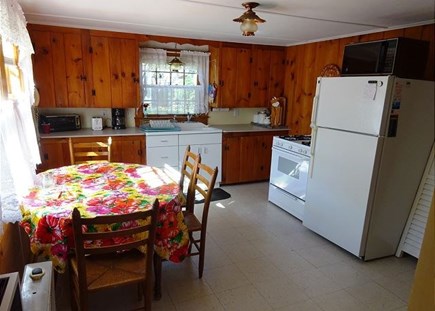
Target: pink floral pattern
[{"x": 102, "y": 188}]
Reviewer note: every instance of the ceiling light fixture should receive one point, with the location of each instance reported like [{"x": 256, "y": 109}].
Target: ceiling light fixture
[
  {"x": 249, "y": 19},
  {"x": 176, "y": 63}
]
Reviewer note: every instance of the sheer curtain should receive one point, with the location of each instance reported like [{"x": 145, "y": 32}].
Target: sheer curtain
[
  {"x": 19, "y": 152},
  {"x": 164, "y": 98},
  {"x": 200, "y": 61}
]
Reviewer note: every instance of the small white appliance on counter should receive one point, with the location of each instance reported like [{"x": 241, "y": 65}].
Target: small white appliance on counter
[
  {"x": 289, "y": 172},
  {"x": 97, "y": 123},
  {"x": 371, "y": 138}
]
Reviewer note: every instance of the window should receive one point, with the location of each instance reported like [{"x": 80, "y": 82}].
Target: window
[
  {"x": 19, "y": 152},
  {"x": 12, "y": 78},
  {"x": 167, "y": 91}
]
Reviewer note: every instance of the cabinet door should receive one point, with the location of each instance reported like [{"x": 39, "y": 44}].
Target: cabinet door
[
  {"x": 228, "y": 77},
  {"x": 249, "y": 153},
  {"x": 128, "y": 149},
  {"x": 54, "y": 153},
  {"x": 58, "y": 68},
  {"x": 260, "y": 73},
  {"x": 264, "y": 146},
  {"x": 101, "y": 72},
  {"x": 243, "y": 92},
  {"x": 124, "y": 66},
  {"x": 231, "y": 158},
  {"x": 43, "y": 67},
  {"x": 74, "y": 67},
  {"x": 211, "y": 155}
]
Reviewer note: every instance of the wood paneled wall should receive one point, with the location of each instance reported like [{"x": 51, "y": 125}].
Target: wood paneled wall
[
  {"x": 305, "y": 62},
  {"x": 14, "y": 249}
]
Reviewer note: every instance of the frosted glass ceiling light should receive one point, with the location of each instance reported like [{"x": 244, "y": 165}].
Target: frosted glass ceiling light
[
  {"x": 176, "y": 64},
  {"x": 249, "y": 19}
]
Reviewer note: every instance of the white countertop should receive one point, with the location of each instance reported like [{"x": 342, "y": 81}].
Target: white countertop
[
  {"x": 131, "y": 131},
  {"x": 91, "y": 133},
  {"x": 247, "y": 128}
]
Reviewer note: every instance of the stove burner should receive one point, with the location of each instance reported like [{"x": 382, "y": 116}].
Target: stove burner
[
  {"x": 296, "y": 137},
  {"x": 306, "y": 143}
]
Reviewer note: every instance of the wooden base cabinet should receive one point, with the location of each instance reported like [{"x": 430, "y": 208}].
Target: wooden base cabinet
[
  {"x": 126, "y": 149},
  {"x": 246, "y": 156},
  {"x": 54, "y": 153}
]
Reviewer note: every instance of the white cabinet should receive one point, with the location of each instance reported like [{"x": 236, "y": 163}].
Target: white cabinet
[
  {"x": 168, "y": 149},
  {"x": 162, "y": 150},
  {"x": 208, "y": 145}
]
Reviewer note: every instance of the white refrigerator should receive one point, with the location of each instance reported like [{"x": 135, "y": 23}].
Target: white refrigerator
[{"x": 371, "y": 138}]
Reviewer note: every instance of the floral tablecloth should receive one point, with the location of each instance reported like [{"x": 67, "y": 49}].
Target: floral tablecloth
[{"x": 101, "y": 188}]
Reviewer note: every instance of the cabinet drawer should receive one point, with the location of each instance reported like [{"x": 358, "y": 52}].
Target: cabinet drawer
[
  {"x": 199, "y": 139},
  {"x": 161, "y": 156},
  {"x": 162, "y": 141}
]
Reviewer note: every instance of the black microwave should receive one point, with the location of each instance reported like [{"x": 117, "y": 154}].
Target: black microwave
[
  {"x": 402, "y": 57},
  {"x": 60, "y": 123}
]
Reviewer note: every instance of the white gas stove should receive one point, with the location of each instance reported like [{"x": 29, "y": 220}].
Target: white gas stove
[
  {"x": 299, "y": 143},
  {"x": 289, "y": 173}
]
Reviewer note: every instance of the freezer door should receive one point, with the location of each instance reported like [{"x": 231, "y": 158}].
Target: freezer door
[
  {"x": 356, "y": 104},
  {"x": 339, "y": 188}
]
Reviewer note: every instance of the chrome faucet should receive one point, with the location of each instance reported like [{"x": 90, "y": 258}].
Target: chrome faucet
[{"x": 188, "y": 117}]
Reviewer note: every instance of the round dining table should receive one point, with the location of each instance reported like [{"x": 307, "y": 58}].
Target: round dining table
[{"x": 96, "y": 189}]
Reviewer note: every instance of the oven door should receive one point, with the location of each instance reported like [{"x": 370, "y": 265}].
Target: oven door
[{"x": 289, "y": 172}]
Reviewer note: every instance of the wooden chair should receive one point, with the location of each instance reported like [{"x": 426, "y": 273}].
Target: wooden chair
[
  {"x": 187, "y": 171},
  {"x": 204, "y": 179},
  {"x": 106, "y": 266},
  {"x": 81, "y": 152}
]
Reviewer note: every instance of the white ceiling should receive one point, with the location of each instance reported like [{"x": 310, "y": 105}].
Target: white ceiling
[{"x": 288, "y": 22}]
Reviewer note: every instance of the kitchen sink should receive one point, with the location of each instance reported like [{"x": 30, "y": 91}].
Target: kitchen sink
[{"x": 192, "y": 126}]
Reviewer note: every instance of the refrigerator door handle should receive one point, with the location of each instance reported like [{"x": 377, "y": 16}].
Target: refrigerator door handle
[
  {"x": 313, "y": 132},
  {"x": 314, "y": 113},
  {"x": 313, "y": 146}
]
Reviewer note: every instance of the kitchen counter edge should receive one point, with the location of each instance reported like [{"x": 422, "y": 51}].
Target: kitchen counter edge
[
  {"x": 132, "y": 131},
  {"x": 233, "y": 128}
]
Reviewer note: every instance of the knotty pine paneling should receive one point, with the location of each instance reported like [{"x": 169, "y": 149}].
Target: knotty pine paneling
[
  {"x": 14, "y": 249},
  {"x": 305, "y": 62}
]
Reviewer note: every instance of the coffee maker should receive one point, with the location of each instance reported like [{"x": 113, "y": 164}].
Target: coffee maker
[{"x": 118, "y": 118}]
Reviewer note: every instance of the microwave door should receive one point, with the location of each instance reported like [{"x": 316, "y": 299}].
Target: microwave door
[{"x": 380, "y": 64}]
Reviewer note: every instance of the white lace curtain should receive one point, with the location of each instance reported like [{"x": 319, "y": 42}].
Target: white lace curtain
[
  {"x": 174, "y": 99},
  {"x": 19, "y": 152}
]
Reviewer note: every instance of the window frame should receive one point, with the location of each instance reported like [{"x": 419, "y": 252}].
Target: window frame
[{"x": 185, "y": 104}]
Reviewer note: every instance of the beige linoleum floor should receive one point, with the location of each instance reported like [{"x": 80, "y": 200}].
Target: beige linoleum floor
[{"x": 258, "y": 257}]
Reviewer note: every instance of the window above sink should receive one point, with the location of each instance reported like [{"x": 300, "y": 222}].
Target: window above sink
[{"x": 166, "y": 91}]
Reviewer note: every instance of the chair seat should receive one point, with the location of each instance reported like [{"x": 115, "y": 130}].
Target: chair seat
[
  {"x": 191, "y": 221},
  {"x": 113, "y": 270}
]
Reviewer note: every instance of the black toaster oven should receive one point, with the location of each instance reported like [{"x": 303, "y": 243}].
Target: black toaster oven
[{"x": 60, "y": 123}]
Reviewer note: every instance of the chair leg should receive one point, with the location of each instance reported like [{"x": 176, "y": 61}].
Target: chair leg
[
  {"x": 157, "y": 276},
  {"x": 190, "y": 242},
  {"x": 140, "y": 291},
  {"x": 147, "y": 299},
  {"x": 201, "y": 255}
]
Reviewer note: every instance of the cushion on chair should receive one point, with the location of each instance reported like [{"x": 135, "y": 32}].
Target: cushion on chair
[{"x": 103, "y": 271}]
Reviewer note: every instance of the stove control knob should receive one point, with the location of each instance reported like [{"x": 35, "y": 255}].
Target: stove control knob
[
  {"x": 289, "y": 147},
  {"x": 304, "y": 151}
]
